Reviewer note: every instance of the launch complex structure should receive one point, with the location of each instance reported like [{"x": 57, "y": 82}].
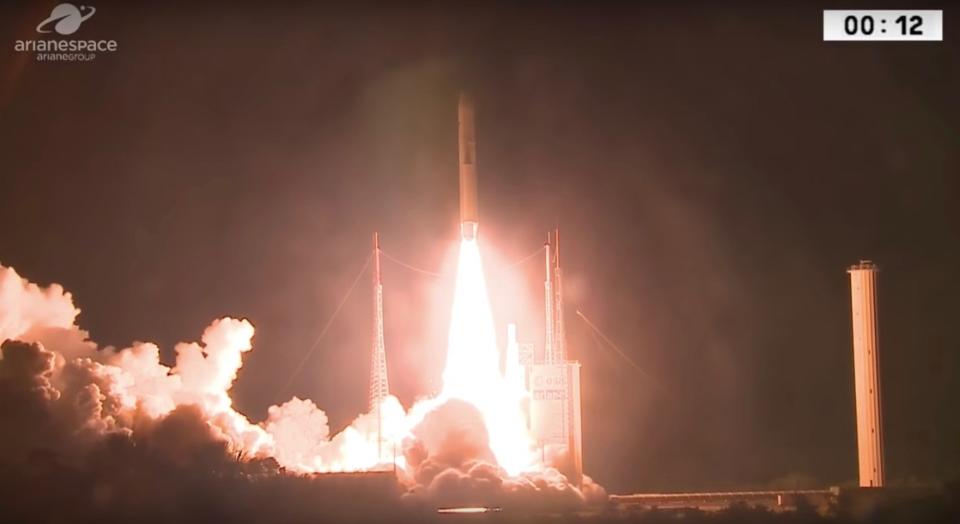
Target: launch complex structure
[{"x": 552, "y": 382}]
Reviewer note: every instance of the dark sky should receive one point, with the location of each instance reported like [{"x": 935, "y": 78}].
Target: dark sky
[{"x": 713, "y": 169}]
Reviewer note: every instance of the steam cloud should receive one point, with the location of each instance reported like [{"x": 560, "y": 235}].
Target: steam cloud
[{"x": 116, "y": 432}]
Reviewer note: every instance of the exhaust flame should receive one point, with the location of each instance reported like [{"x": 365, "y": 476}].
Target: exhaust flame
[
  {"x": 472, "y": 370},
  {"x": 472, "y": 374}
]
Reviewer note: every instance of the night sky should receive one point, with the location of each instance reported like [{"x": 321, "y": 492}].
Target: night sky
[{"x": 713, "y": 170}]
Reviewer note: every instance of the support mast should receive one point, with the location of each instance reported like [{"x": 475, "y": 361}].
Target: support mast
[
  {"x": 549, "y": 343},
  {"x": 560, "y": 334},
  {"x": 379, "y": 387}
]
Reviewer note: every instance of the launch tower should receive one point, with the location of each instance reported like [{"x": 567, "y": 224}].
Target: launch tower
[
  {"x": 379, "y": 387},
  {"x": 554, "y": 383}
]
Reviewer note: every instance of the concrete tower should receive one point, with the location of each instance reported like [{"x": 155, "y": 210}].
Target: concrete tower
[
  {"x": 866, "y": 365},
  {"x": 379, "y": 388}
]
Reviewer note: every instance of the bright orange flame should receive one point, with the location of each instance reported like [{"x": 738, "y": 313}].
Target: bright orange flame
[{"x": 472, "y": 370}]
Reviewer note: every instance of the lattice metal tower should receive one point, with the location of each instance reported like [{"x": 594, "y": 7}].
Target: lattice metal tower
[{"x": 379, "y": 387}]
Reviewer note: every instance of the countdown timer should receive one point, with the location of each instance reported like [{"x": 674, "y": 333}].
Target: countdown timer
[{"x": 883, "y": 25}]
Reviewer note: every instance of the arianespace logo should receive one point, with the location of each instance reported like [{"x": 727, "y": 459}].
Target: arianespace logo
[{"x": 65, "y": 20}]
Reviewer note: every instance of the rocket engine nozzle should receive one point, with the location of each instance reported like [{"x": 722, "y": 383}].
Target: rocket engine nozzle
[{"x": 468, "y": 230}]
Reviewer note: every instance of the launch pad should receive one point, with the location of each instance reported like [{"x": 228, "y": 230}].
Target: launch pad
[
  {"x": 547, "y": 386},
  {"x": 550, "y": 381},
  {"x": 821, "y": 500}
]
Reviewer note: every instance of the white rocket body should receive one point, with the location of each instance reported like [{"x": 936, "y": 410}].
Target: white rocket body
[{"x": 469, "y": 216}]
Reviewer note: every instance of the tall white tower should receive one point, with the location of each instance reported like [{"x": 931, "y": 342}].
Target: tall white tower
[
  {"x": 866, "y": 366},
  {"x": 379, "y": 388}
]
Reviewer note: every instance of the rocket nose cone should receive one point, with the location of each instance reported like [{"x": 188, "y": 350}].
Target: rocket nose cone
[{"x": 466, "y": 104}]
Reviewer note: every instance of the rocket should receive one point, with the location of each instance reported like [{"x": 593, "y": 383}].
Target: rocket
[{"x": 469, "y": 216}]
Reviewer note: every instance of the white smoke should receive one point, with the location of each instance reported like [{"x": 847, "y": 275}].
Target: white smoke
[
  {"x": 68, "y": 393},
  {"x": 24, "y": 306},
  {"x": 302, "y": 438},
  {"x": 108, "y": 391}
]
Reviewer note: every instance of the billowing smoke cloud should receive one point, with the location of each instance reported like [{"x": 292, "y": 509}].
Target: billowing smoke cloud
[
  {"x": 112, "y": 431},
  {"x": 84, "y": 393},
  {"x": 452, "y": 465}
]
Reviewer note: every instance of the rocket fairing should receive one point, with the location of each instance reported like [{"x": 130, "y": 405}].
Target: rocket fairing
[{"x": 469, "y": 216}]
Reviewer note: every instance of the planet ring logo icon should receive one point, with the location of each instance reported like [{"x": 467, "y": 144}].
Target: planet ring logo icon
[{"x": 67, "y": 19}]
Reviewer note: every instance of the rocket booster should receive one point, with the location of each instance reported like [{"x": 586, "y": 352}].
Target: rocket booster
[{"x": 469, "y": 216}]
